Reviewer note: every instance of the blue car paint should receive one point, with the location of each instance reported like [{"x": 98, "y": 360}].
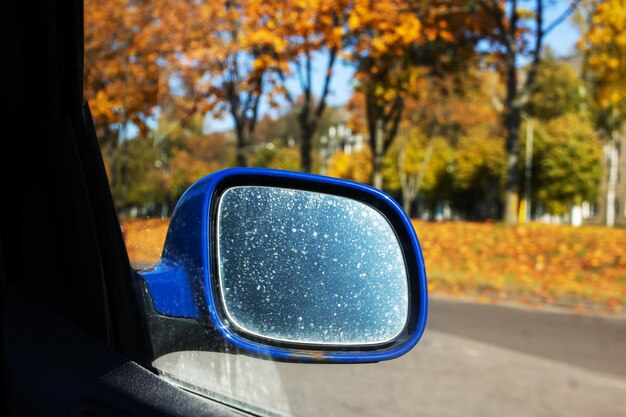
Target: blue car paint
[
  {"x": 168, "y": 284},
  {"x": 181, "y": 285}
]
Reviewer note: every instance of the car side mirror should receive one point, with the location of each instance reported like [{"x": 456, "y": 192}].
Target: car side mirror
[{"x": 293, "y": 267}]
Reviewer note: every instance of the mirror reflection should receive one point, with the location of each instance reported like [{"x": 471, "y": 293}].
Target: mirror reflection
[{"x": 308, "y": 267}]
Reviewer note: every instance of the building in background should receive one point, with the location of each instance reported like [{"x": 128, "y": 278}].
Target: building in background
[{"x": 338, "y": 139}]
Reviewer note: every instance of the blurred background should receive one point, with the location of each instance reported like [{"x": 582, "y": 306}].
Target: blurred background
[{"x": 461, "y": 110}]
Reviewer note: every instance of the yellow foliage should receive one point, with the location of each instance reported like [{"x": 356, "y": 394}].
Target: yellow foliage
[
  {"x": 287, "y": 159},
  {"x": 536, "y": 262},
  {"x": 480, "y": 158},
  {"x": 605, "y": 46},
  {"x": 418, "y": 157},
  {"x": 356, "y": 166},
  {"x": 531, "y": 263}
]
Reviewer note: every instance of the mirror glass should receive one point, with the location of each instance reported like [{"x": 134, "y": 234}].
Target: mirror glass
[{"x": 300, "y": 266}]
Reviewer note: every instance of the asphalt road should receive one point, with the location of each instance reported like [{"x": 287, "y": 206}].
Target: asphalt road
[
  {"x": 592, "y": 342},
  {"x": 474, "y": 360}
]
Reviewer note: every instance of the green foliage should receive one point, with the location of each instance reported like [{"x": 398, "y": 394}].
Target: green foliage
[
  {"x": 480, "y": 161},
  {"x": 437, "y": 172},
  {"x": 408, "y": 154},
  {"x": 567, "y": 162},
  {"x": 156, "y": 171},
  {"x": 136, "y": 163},
  {"x": 558, "y": 90}
]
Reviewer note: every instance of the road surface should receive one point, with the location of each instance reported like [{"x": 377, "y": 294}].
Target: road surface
[
  {"x": 474, "y": 360},
  {"x": 591, "y": 342}
]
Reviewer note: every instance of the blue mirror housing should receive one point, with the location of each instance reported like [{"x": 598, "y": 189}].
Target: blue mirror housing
[{"x": 293, "y": 267}]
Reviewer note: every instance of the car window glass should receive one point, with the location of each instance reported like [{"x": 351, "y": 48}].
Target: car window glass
[{"x": 505, "y": 156}]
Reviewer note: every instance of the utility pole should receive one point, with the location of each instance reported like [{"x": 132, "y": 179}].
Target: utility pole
[
  {"x": 612, "y": 156},
  {"x": 524, "y": 211},
  {"x": 528, "y": 172}
]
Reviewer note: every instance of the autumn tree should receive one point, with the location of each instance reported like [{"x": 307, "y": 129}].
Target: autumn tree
[
  {"x": 604, "y": 48},
  {"x": 558, "y": 93},
  {"x": 449, "y": 146},
  {"x": 448, "y": 108},
  {"x": 558, "y": 90},
  {"x": 380, "y": 33},
  {"x": 520, "y": 33},
  {"x": 240, "y": 51},
  {"x": 393, "y": 41},
  {"x": 422, "y": 164},
  {"x": 479, "y": 171},
  {"x": 315, "y": 34},
  {"x": 124, "y": 46},
  {"x": 567, "y": 162},
  {"x": 227, "y": 49}
]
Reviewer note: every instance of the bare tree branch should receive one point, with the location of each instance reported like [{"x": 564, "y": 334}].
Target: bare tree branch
[
  {"x": 332, "y": 56},
  {"x": 287, "y": 93},
  {"x": 255, "y": 112},
  {"x": 513, "y": 19},
  {"x": 561, "y": 18},
  {"x": 395, "y": 114}
]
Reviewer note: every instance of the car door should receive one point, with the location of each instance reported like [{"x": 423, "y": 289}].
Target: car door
[{"x": 73, "y": 340}]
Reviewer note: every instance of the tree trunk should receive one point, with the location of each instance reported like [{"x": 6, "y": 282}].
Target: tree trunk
[
  {"x": 306, "y": 164},
  {"x": 411, "y": 184},
  {"x": 377, "y": 175},
  {"x": 378, "y": 153},
  {"x": 241, "y": 156},
  {"x": 408, "y": 192},
  {"x": 116, "y": 168},
  {"x": 407, "y": 202},
  {"x": 242, "y": 145},
  {"x": 511, "y": 193},
  {"x": 512, "y": 124}
]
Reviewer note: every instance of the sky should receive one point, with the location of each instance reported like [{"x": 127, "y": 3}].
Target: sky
[{"x": 562, "y": 40}]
